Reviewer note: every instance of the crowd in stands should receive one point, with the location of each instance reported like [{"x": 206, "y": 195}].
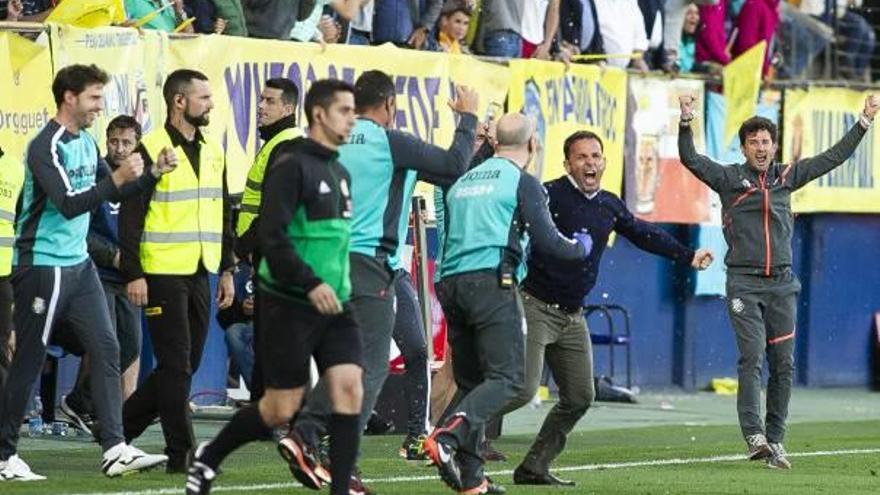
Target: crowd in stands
[{"x": 670, "y": 35}]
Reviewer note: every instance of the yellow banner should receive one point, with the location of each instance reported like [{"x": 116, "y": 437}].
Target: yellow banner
[
  {"x": 238, "y": 69},
  {"x": 814, "y": 121},
  {"x": 490, "y": 79},
  {"x": 26, "y": 103},
  {"x": 742, "y": 80},
  {"x": 585, "y": 97},
  {"x": 132, "y": 59}
]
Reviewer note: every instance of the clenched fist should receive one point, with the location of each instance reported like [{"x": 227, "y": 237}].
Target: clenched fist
[
  {"x": 166, "y": 162},
  {"x": 129, "y": 169},
  {"x": 702, "y": 259},
  {"x": 872, "y": 104},
  {"x": 686, "y": 102}
]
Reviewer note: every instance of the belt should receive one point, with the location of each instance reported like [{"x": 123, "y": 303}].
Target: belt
[{"x": 558, "y": 307}]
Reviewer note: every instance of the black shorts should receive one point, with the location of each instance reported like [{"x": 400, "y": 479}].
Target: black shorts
[{"x": 292, "y": 332}]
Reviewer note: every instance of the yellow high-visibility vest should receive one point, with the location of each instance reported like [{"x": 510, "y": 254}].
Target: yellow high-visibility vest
[
  {"x": 253, "y": 188},
  {"x": 184, "y": 222},
  {"x": 11, "y": 180}
]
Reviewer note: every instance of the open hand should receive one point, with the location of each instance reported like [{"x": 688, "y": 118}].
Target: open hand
[{"x": 466, "y": 100}]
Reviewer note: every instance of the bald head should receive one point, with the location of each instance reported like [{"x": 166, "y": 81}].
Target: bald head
[{"x": 514, "y": 130}]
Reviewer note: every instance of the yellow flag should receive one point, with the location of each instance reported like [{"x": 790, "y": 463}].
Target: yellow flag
[
  {"x": 88, "y": 13},
  {"x": 742, "y": 80},
  {"x": 22, "y": 51}
]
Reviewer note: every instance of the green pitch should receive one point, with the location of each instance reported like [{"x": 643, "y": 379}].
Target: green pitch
[{"x": 665, "y": 444}]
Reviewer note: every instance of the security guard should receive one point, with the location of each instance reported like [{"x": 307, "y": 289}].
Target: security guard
[
  {"x": 277, "y": 124},
  {"x": 11, "y": 180},
  {"x": 171, "y": 238},
  {"x": 479, "y": 275}
]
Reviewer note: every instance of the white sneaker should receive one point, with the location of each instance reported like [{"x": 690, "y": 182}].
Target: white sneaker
[
  {"x": 779, "y": 459},
  {"x": 758, "y": 447},
  {"x": 125, "y": 459},
  {"x": 15, "y": 469}
]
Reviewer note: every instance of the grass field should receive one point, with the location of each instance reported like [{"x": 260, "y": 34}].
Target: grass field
[{"x": 696, "y": 449}]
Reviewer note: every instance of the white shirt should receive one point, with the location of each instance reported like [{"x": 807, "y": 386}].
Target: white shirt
[
  {"x": 622, "y": 27},
  {"x": 576, "y": 186},
  {"x": 363, "y": 20},
  {"x": 534, "y": 14}
]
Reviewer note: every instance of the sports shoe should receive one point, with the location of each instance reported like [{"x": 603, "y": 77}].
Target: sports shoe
[
  {"x": 79, "y": 420},
  {"x": 199, "y": 479},
  {"x": 301, "y": 460},
  {"x": 491, "y": 454},
  {"x": 15, "y": 469},
  {"x": 413, "y": 448},
  {"x": 357, "y": 487},
  {"x": 758, "y": 447},
  {"x": 486, "y": 487},
  {"x": 778, "y": 459},
  {"x": 322, "y": 456},
  {"x": 377, "y": 425},
  {"x": 124, "y": 459},
  {"x": 442, "y": 455},
  {"x": 199, "y": 476}
]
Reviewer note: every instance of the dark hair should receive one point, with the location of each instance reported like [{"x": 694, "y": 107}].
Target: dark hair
[
  {"x": 373, "y": 88},
  {"x": 289, "y": 91},
  {"x": 75, "y": 78},
  {"x": 577, "y": 136},
  {"x": 452, "y": 6},
  {"x": 754, "y": 125},
  {"x": 178, "y": 82},
  {"x": 122, "y": 122},
  {"x": 323, "y": 93}
]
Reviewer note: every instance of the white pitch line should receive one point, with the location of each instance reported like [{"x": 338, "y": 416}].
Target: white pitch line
[{"x": 586, "y": 467}]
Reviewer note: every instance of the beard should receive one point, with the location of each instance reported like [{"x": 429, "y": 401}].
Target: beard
[
  {"x": 197, "y": 120},
  {"x": 84, "y": 120}
]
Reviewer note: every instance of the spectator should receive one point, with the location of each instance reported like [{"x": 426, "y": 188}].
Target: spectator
[
  {"x": 360, "y": 29},
  {"x": 540, "y": 24},
  {"x": 232, "y": 13},
  {"x": 25, "y": 10},
  {"x": 712, "y": 37},
  {"x": 273, "y": 19},
  {"x": 623, "y": 32},
  {"x": 317, "y": 27},
  {"x": 858, "y": 43},
  {"x": 451, "y": 30},
  {"x": 756, "y": 22},
  {"x": 652, "y": 13},
  {"x": 167, "y": 20},
  {"x": 499, "y": 32},
  {"x": 688, "y": 45},
  {"x": 207, "y": 21},
  {"x": 579, "y": 27},
  {"x": 404, "y": 22},
  {"x": 803, "y": 36}
]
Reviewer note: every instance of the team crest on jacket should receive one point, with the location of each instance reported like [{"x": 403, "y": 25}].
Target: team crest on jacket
[
  {"x": 39, "y": 305},
  {"x": 737, "y": 305}
]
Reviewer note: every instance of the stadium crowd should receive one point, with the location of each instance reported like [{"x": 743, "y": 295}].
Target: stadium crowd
[
  {"x": 95, "y": 240},
  {"x": 671, "y": 35}
]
